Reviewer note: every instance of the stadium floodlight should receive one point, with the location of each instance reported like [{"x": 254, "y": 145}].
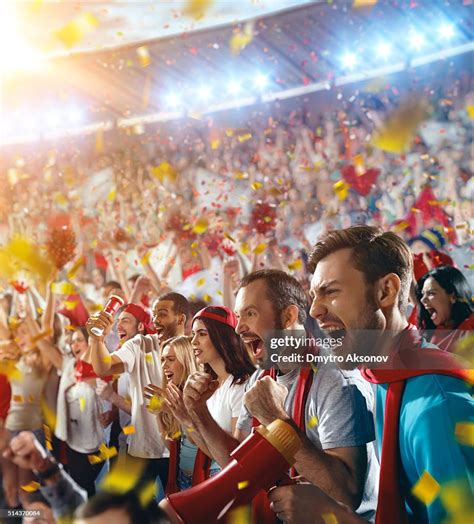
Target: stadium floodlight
[
  {"x": 53, "y": 119},
  {"x": 204, "y": 93},
  {"x": 74, "y": 115},
  {"x": 417, "y": 40},
  {"x": 234, "y": 87},
  {"x": 446, "y": 31},
  {"x": 173, "y": 100},
  {"x": 349, "y": 60},
  {"x": 384, "y": 50},
  {"x": 261, "y": 81}
]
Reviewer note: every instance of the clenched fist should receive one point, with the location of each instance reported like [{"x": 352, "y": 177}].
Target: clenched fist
[
  {"x": 198, "y": 389},
  {"x": 265, "y": 400}
]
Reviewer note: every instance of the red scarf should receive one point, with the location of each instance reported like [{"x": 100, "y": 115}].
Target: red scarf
[
  {"x": 260, "y": 505},
  {"x": 85, "y": 371},
  {"x": 391, "y": 505}
]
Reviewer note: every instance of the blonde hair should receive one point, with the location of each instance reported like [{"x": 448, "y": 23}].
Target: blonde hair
[{"x": 170, "y": 428}]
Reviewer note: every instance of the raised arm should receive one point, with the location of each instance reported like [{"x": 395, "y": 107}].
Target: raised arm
[{"x": 102, "y": 361}]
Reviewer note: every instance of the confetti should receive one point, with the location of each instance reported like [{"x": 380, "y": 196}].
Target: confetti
[
  {"x": 243, "y": 484},
  {"x": 164, "y": 171},
  {"x": 201, "y": 226},
  {"x": 470, "y": 111},
  {"x": 207, "y": 298},
  {"x": 341, "y": 189},
  {"x": 363, "y": 3},
  {"x": 73, "y": 32},
  {"x": 297, "y": 264},
  {"x": 9, "y": 369},
  {"x": 245, "y": 248},
  {"x": 31, "y": 487},
  {"x": 215, "y": 144},
  {"x": 176, "y": 435},
  {"x": 75, "y": 268},
  {"x": 240, "y": 515},
  {"x": 200, "y": 282},
  {"x": 128, "y": 430},
  {"x": 464, "y": 432},
  {"x": 155, "y": 403},
  {"x": 82, "y": 404},
  {"x": 18, "y": 399},
  {"x": 313, "y": 421},
  {"x": 329, "y": 518},
  {"x": 144, "y": 56},
  {"x": 196, "y": 8},
  {"x": 241, "y": 39},
  {"x": 146, "y": 494},
  {"x": 399, "y": 129},
  {"x": 426, "y": 489},
  {"x": 124, "y": 475},
  {"x": 99, "y": 140},
  {"x": 63, "y": 288},
  {"x": 259, "y": 249},
  {"x": 256, "y": 185},
  {"x": 25, "y": 256}
]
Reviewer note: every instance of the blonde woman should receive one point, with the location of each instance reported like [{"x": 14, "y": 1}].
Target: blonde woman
[
  {"x": 178, "y": 362},
  {"x": 27, "y": 386}
]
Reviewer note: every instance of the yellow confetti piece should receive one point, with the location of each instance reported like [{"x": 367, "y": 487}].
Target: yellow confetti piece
[
  {"x": 201, "y": 226},
  {"x": 164, "y": 171},
  {"x": 207, "y": 298},
  {"x": 232, "y": 239},
  {"x": 128, "y": 430},
  {"x": 99, "y": 140},
  {"x": 464, "y": 432},
  {"x": 240, "y": 515},
  {"x": 73, "y": 32},
  {"x": 364, "y": 3},
  {"x": 196, "y": 8},
  {"x": 341, "y": 189},
  {"x": 241, "y": 39},
  {"x": 49, "y": 415},
  {"x": 463, "y": 348},
  {"x": 70, "y": 304},
  {"x": 31, "y": 487},
  {"x": 146, "y": 258},
  {"x": 215, "y": 144},
  {"x": 426, "y": 489},
  {"x": 149, "y": 358},
  {"x": 260, "y": 248},
  {"x": 144, "y": 56},
  {"x": 107, "y": 359},
  {"x": 200, "y": 282},
  {"x": 244, "y": 137},
  {"x": 82, "y": 404},
  {"x": 63, "y": 288},
  {"x": 400, "y": 226},
  {"x": 329, "y": 518},
  {"x": 243, "y": 484},
  {"x": 190, "y": 429},
  {"x": 176, "y": 435},
  {"x": 9, "y": 369},
  {"x": 146, "y": 494},
  {"x": 111, "y": 196},
  {"x": 155, "y": 403},
  {"x": 95, "y": 459},
  {"x": 245, "y": 248},
  {"x": 399, "y": 129},
  {"x": 18, "y": 399},
  {"x": 107, "y": 452},
  {"x": 470, "y": 111},
  {"x": 256, "y": 185},
  {"x": 124, "y": 475},
  {"x": 297, "y": 264},
  {"x": 229, "y": 133},
  {"x": 313, "y": 421}
]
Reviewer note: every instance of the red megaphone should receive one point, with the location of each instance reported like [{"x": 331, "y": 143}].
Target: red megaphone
[{"x": 259, "y": 462}]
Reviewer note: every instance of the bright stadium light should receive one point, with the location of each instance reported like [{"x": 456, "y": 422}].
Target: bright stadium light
[
  {"x": 446, "y": 31},
  {"x": 172, "y": 100},
  {"x": 53, "y": 119},
  {"x": 74, "y": 115},
  {"x": 417, "y": 40},
  {"x": 204, "y": 93},
  {"x": 261, "y": 81},
  {"x": 349, "y": 60},
  {"x": 234, "y": 87},
  {"x": 384, "y": 50}
]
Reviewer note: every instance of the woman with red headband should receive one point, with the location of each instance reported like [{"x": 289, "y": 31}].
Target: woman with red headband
[{"x": 219, "y": 350}]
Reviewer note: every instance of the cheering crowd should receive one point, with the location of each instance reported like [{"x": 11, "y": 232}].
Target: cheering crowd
[{"x": 212, "y": 239}]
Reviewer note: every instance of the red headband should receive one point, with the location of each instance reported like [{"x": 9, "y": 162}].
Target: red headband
[
  {"x": 141, "y": 314},
  {"x": 230, "y": 319}
]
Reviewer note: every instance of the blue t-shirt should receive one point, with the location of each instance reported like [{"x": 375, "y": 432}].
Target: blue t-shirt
[{"x": 431, "y": 407}]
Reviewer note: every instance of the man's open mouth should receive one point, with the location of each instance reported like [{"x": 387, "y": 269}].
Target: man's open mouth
[{"x": 256, "y": 345}]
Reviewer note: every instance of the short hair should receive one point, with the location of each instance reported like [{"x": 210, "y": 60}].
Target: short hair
[
  {"x": 374, "y": 252},
  {"x": 283, "y": 290},
  {"x": 103, "y": 501},
  {"x": 180, "y": 303},
  {"x": 112, "y": 284},
  {"x": 454, "y": 283}
]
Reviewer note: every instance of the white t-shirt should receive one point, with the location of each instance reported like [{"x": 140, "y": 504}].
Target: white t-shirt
[
  {"x": 141, "y": 359},
  {"x": 226, "y": 402}
]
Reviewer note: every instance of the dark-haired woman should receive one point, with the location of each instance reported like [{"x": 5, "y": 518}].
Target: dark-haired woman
[
  {"x": 219, "y": 350},
  {"x": 445, "y": 306}
]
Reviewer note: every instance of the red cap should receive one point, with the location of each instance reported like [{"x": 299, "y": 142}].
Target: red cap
[
  {"x": 228, "y": 317},
  {"x": 142, "y": 315}
]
